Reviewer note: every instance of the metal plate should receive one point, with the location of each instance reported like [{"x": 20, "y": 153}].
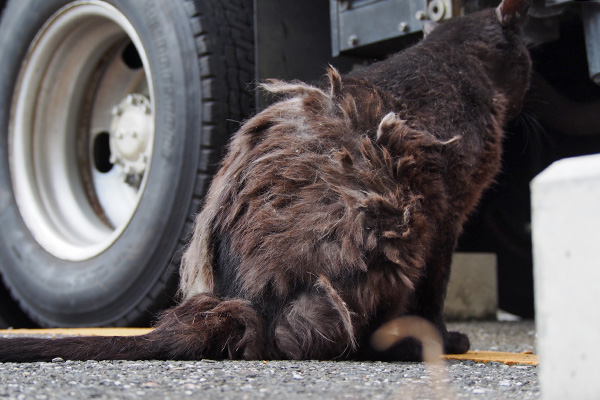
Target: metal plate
[{"x": 360, "y": 23}]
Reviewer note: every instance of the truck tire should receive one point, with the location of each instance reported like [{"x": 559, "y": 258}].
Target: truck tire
[{"x": 113, "y": 116}]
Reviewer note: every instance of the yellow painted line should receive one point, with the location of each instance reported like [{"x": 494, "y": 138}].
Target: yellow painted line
[
  {"x": 496, "y": 356},
  {"x": 79, "y": 331},
  {"x": 477, "y": 356}
]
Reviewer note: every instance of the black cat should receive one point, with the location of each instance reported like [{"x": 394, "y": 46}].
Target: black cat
[{"x": 338, "y": 208}]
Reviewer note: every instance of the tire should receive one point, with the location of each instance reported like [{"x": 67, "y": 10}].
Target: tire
[
  {"x": 10, "y": 313},
  {"x": 112, "y": 120}
]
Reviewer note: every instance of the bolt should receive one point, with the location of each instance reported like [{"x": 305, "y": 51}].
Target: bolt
[
  {"x": 147, "y": 109},
  {"x": 119, "y": 134},
  {"x": 403, "y": 27},
  {"x": 344, "y": 5},
  {"x": 134, "y": 134},
  {"x": 421, "y": 15},
  {"x": 131, "y": 99},
  {"x": 353, "y": 40},
  {"x": 117, "y": 111}
]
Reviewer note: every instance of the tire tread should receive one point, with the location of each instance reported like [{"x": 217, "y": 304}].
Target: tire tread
[{"x": 225, "y": 48}]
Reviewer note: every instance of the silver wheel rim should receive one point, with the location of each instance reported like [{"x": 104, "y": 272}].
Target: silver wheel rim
[{"x": 81, "y": 130}]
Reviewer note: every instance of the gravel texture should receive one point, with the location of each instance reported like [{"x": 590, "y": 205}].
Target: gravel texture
[{"x": 287, "y": 379}]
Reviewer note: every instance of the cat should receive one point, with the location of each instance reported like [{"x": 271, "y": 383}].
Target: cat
[{"x": 337, "y": 208}]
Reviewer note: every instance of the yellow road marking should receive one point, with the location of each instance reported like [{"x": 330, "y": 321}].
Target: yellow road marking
[
  {"x": 477, "y": 356},
  {"x": 495, "y": 356},
  {"x": 79, "y": 331}
]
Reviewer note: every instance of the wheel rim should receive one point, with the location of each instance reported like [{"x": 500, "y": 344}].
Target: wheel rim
[{"x": 81, "y": 130}]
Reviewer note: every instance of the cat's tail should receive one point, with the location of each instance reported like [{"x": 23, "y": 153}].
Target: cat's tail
[
  {"x": 203, "y": 326},
  {"x": 26, "y": 349}
]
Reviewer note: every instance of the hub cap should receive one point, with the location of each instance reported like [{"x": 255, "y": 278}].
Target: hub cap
[{"x": 82, "y": 130}]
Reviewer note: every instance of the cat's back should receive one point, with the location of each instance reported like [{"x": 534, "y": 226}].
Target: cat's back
[
  {"x": 458, "y": 76},
  {"x": 309, "y": 185}
]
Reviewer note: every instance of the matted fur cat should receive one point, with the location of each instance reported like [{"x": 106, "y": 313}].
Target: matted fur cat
[{"x": 337, "y": 208}]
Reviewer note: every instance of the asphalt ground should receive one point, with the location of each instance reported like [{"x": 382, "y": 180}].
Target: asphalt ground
[{"x": 507, "y": 373}]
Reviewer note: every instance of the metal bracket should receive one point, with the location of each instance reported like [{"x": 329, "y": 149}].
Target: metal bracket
[{"x": 363, "y": 22}]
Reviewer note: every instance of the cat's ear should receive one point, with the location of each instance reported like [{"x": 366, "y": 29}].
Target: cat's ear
[
  {"x": 511, "y": 13},
  {"x": 429, "y": 26}
]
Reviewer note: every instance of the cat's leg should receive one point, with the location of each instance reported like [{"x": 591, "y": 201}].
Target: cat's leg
[
  {"x": 316, "y": 325},
  {"x": 430, "y": 293}
]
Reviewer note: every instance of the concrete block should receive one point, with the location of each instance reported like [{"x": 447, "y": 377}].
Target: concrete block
[
  {"x": 472, "y": 289},
  {"x": 566, "y": 239}
]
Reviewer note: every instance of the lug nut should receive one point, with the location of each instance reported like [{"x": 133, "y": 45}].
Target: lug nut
[
  {"x": 131, "y": 99},
  {"x": 117, "y": 111}
]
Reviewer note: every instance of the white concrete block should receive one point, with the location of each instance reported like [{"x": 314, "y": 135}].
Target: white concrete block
[
  {"x": 472, "y": 289},
  {"x": 566, "y": 239}
]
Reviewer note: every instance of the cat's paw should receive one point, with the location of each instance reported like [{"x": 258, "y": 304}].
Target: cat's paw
[
  {"x": 409, "y": 349},
  {"x": 456, "y": 343}
]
